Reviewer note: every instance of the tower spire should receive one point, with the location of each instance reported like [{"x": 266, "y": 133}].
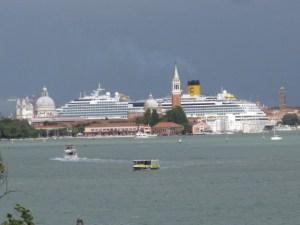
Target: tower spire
[{"x": 176, "y": 74}]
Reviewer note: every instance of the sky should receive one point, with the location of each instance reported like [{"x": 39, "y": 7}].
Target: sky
[{"x": 248, "y": 47}]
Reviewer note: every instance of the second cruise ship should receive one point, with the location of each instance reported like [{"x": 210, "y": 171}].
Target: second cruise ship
[{"x": 97, "y": 105}]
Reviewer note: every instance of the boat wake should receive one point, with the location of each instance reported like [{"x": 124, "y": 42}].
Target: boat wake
[{"x": 89, "y": 160}]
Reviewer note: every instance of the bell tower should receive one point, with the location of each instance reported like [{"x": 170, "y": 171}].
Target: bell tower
[
  {"x": 176, "y": 89},
  {"x": 282, "y": 98}
]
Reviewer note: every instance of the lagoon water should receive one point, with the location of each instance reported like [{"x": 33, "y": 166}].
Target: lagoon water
[{"x": 211, "y": 180}]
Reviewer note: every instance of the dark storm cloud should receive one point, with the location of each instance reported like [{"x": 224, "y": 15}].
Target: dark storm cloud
[
  {"x": 247, "y": 46},
  {"x": 241, "y": 1}
]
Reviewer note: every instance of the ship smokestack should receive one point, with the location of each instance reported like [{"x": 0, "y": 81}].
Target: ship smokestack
[{"x": 194, "y": 88}]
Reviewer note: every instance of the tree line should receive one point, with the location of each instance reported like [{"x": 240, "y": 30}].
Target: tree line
[
  {"x": 12, "y": 128},
  {"x": 290, "y": 119},
  {"x": 176, "y": 115}
]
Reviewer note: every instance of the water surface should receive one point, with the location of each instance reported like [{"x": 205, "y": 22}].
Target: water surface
[{"x": 211, "y": 180}]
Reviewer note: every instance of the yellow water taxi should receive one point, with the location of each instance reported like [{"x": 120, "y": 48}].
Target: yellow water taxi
[{"x": 152, "y": 164}]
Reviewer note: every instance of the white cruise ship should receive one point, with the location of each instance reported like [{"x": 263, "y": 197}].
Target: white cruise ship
[
  {"x": 97, "y": 105},
  {"x": 222, "y": 112}
]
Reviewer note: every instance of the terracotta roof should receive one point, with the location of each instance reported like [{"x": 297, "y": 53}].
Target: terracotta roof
[
  {"x": 113, "y": 125},
  {"x": 49, "y": 127},
  {"x": 167, "y": 125}
]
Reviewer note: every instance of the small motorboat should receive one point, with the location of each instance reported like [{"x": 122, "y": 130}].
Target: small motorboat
[
  {"x": 70, "y": 152},
  {"x": 276, "y": 138},
  {"x": 142, "y": 135}
]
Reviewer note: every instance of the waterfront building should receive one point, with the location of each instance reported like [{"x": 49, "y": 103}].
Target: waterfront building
[
  {"x": 167, "y": 129},
  {"x": 115, "y": 129},
  {"x": 24, "y": 109},
  {"x": 97, "y": 105},
  {"x": 275, "y": 114},
  {"x": 200, "y": 128}
]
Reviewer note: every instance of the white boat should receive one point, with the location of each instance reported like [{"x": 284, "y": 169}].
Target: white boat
[
  {"x": 142, "y": 135},
  {"x": 275, "y": 137},
  {"x": 284, "y": 128},
  {"x": 70, "y": 152},
  {"x": 179, "y": 140}
]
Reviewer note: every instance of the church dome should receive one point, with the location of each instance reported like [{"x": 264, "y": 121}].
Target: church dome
[
  {"x": 45, "y": 102},
  {"x": 151, "y": 103},
  {"x": 45, "y": 105}
]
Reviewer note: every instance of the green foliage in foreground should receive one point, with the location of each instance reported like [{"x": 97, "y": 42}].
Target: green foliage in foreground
[
  {"x": 10, "y": 128},
  {"x": 290, "y": 119},
  {"x": 26, "y": 217}
]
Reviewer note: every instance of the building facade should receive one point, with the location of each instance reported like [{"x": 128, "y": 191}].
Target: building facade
[
  {"x": 24, "y": 109},
  {"x": 167, "y": 129},
  {"x": 115, "y": 129}
]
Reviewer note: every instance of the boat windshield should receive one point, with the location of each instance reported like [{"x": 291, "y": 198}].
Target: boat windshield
[
  {"x": 69, "y": 146},
  {"x": 145, "y": 162}
]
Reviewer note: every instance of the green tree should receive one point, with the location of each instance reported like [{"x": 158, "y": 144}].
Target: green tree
[
  {"x": 150, "y": 117},
  {"x": 147, "y": 117},
  {"x": 154, "y": 119},
  {"x": 290, "y": 119},
  {"x": 177, "y": 115},
  {"x": 16, "y": 129},
  {"x": 26, "y": 217}
]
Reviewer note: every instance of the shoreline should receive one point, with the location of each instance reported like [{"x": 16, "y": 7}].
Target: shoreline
[{"x": 133, "y": 136}]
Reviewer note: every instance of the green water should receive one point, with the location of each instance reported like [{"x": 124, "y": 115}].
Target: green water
[{"x": 211, "y": 180}]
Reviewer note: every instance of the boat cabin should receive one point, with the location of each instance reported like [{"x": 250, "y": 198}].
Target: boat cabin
[
  {"x": 70, "y": 150},
  {"x": 146, "y": 164}
]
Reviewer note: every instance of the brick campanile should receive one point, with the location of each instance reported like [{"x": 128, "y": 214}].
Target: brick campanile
[
  {"x": 282, "y": 98},
  {"x": 176, "y": 89}
]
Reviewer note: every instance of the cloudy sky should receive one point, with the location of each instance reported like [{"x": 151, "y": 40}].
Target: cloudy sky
[{"x": 250, "y": 47}]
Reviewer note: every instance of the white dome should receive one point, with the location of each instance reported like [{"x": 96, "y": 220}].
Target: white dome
[
  {"x": 151, "y": 103},
  {"x": 45, "y": 106},
  {"x": 45, "y": 103}
]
